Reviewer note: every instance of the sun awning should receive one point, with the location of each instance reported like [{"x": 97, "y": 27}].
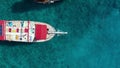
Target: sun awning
[
  {"x": 40, "y": 32},
  {"x": 2, "y": 30}
]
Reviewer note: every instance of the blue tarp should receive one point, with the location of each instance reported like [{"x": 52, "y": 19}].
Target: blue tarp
[{"x": 0, "y": 30}]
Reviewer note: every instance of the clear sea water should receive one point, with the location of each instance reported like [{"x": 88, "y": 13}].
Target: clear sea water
[{"x": 93, "y": 39}]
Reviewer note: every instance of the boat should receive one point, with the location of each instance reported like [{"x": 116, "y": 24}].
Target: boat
[
  {"x": 26, "y": 31},
  {"x": 46, "y": 1}
]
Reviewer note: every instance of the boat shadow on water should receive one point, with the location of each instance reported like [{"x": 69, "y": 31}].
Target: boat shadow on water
[
  {"x": 12, "y": 43},
  {"x": 28, "y": 5}
]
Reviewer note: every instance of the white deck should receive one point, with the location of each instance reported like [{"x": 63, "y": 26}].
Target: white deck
[{"x": 20, "y": 31}]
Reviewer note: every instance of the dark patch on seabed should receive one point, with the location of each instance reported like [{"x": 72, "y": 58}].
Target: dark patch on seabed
[{"x": 93, "y": 39}]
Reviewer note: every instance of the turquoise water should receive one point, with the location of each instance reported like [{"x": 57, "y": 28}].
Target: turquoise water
[{"x": 93, "y": 39}]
